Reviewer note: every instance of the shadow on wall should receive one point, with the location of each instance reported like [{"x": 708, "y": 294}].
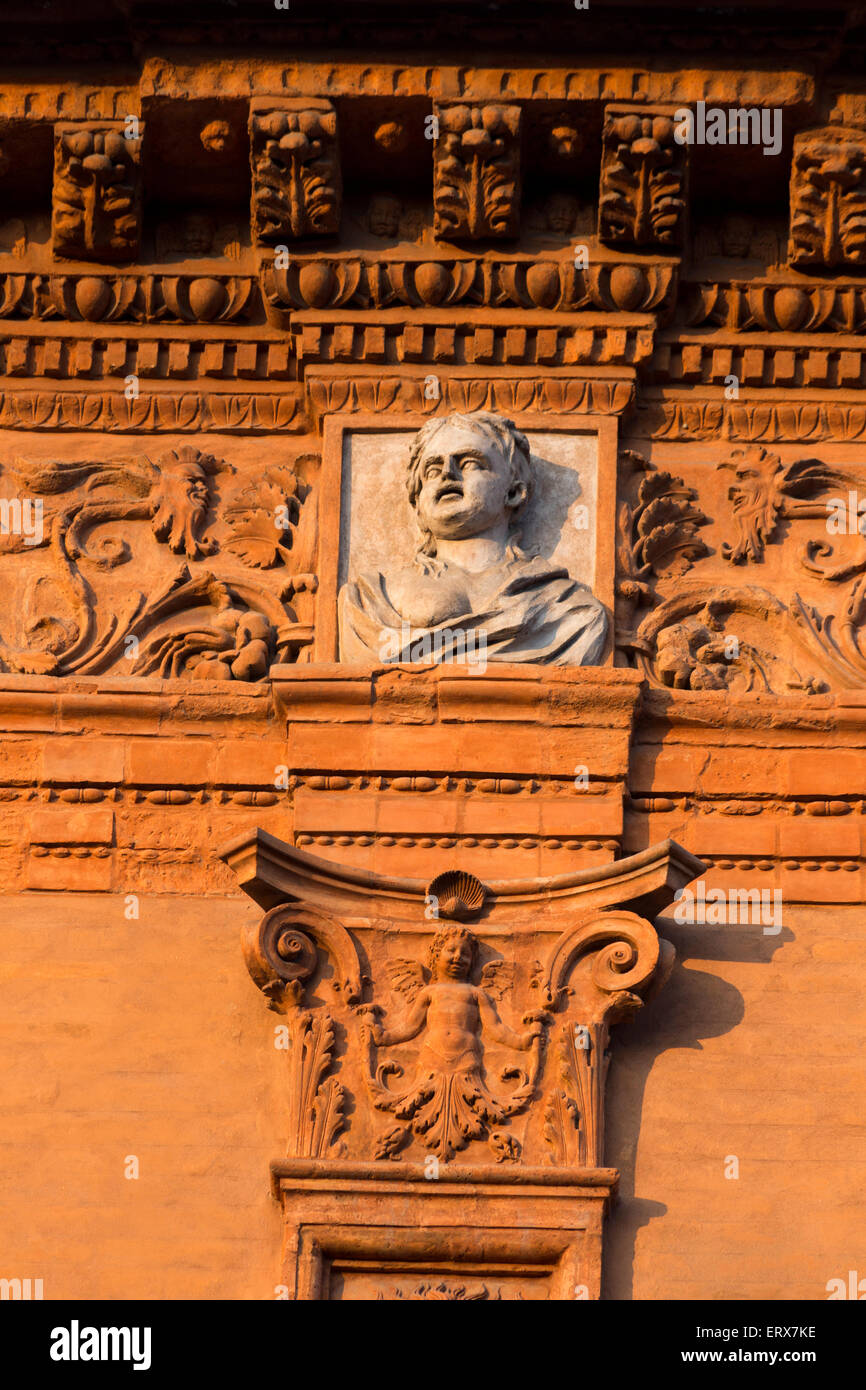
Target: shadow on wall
[{"x": 693, "y": 1005}]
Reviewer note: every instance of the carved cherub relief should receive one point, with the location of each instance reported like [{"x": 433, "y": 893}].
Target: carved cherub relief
[
  {"x": 448, "y": 1103},
  {"x": 469, "y": 479}
]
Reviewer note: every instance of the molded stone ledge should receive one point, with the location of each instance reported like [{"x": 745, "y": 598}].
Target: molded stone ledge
[
  {"x": 568, "y": 695},
  {"x": 512, "y": 1233},
  {"x": 64, "y": 705},
  {"x": 760, "y": 710}
]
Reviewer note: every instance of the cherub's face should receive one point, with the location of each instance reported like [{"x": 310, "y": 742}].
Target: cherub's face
[
  {"x": 454, "y": 960},
  {"x": 198, "y": 233},
  {"x": 736, "y": 236},
  {"x": 467, "y": 487},
  {"x": 384, "y": 216},
  {"x": 561, "y": 212}
]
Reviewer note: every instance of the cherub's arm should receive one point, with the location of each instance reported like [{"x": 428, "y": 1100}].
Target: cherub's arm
[
  {"x": 500, "y": 1032},
  {"x": 385, "y": 1037}
]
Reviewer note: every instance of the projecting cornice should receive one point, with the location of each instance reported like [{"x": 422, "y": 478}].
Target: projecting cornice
[{"x": 271, "y": 871}]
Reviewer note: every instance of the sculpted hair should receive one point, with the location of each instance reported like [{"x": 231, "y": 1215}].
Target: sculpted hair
[
  {"x": 511, "y": 443},
  {"x": 445, "y": 934}
]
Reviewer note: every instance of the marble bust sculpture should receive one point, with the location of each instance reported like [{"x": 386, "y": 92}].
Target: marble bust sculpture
[{"x": 469, "y": 479}]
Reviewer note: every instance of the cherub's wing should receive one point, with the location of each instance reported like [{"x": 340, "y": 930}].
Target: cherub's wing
[
  {"x": 406, "y": 977},
  {"x": 497, "y": 978}
]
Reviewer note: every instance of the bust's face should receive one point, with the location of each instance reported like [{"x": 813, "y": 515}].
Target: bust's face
[{"x": 467, "y": 487}]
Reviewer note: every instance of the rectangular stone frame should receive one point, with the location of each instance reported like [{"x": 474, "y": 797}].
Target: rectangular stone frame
[
  {"x": 604, "y": 427},
  {"x": 473, "y": 1222}
]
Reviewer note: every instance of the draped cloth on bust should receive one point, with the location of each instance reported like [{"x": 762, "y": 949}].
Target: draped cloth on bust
[{"x": 538, "y": 614}]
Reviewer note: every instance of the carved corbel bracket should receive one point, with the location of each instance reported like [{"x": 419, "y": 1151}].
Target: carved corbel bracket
[
  {"x": 624, "y": 962},
  {"x": 282, "y": 956},
  {"x": 828, "y": 199},
  {"x": 446, "y": 1054}
]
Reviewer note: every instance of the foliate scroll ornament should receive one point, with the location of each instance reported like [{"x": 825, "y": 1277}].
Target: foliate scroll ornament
[
  {"x": 75, "y": 620},
  {"x": 296, "y": 180},
  {"x": 283, "y": 954},
  {"x": 828, "y": 199},
  {"x": 280, "y": 953},
  {"x": 599, "y": 972},
  {"x": 642, "y": 199},
  {"x": 657, "y": 536},
  {"x": 765, "y": 491},
  {"x": 476, "y": 171},
  {"x": 446, "y": 1292},
  {"x": 695, "y": 641},
  {"x": 448, "y": 1103},
  {"x": 96, "y": 208}
]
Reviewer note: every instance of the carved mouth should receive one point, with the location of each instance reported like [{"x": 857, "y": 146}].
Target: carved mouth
[{"x": 452, "y": 490}]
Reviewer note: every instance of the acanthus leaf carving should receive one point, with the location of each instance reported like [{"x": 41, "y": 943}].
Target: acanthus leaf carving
[
  {"x": 643, "y": 179},
  {"x": 772, "y": 422},
  {"x": 96, "y": 210},
  {"x": 657, "y": 535},
  {"x": 600, "y": 972},
  {"x": 574, "y": 1116},
  {"x": 476, "y": 170},
  {"x": 296, "y": 180},
  {"x": 192, "y": 624},
  {"x": 828, "y": 199},
  {"x": 263, "y": 517},
  {"x": 282, "y": 952}
]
